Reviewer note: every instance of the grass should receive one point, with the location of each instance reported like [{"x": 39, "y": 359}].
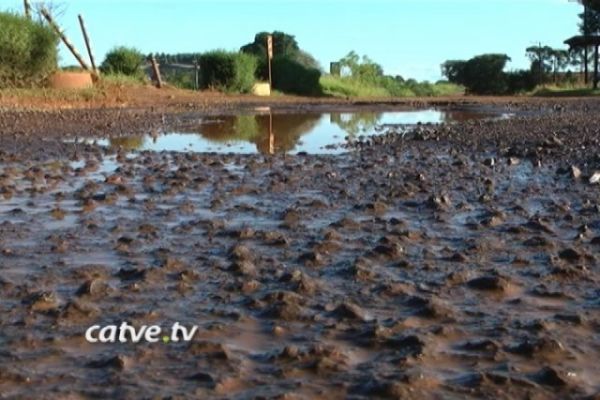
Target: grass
[
  {"x": 341, "y": 87},
  {"x": 565, "y": 91},
  {"x": 348, "y": 87},
  {"x": 47, "y": 94},
  {"x": 73, "y": 95},
  {"x": 122, "y": 80}
]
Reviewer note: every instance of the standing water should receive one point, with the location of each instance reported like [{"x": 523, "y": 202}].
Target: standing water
[{"x": 315, "y": 133}]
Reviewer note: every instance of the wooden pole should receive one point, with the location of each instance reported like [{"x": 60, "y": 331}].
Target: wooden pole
[
  {"x": 27, "y": 8},
  {"x": 197, "y": 74},
  {"x": 271, "y": 135},
  {"x": 65, "y": 40},
  {"x": 156, "y": 71},
  {"x": 87, "y": 44},
  {"x": 270, "y": 57}
]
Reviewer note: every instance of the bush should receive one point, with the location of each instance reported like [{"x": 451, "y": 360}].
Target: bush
[
  {"x": 182, "y": 79},
  {"x": 123, "y": 60},
  {"x": 28, "y": 51},
  {"x": 482, "y": 74},
  {"x": 290, "y": 76},
  {"x": 520, "y": 81},
  {"x": 228, "y": 71}
]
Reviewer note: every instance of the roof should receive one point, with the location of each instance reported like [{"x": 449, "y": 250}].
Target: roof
[{"x": 581, "y": 41}]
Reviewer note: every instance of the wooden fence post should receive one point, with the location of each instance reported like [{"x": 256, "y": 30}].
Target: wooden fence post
[
  {"x": 87, "y": 44},
  {"x": 197, "y": 74},
  {"x": 156, "y": 71},
  {"x": 65, "y": 40},
  {"x": 27, "y": 8}
]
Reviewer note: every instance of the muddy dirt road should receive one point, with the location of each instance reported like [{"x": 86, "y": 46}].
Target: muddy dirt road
[{"x": 453, "y": 262}]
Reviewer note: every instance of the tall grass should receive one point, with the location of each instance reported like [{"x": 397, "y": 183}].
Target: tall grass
[
  {"x": 342, "y": 87},
  {"x": 118, "y": 79},
  {"x": 564, "y": 91},
  {"x": 385, "y": 87}
]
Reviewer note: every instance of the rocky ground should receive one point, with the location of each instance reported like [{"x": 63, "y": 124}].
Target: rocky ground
[{"x": 452, "y": 262}]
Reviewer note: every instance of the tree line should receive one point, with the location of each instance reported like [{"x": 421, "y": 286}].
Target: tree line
[{"x": 485, "y": 74}]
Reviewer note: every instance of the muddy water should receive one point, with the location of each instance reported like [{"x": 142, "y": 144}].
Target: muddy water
[
  {"x": 268, "y": 133},
  {"x": 433, "y": 267}
]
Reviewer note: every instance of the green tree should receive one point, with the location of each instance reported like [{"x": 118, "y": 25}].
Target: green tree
[
  {"x": 123, "y": 60},
  {"x": 454, "y": 70},
  {"x": 284, "y": 46},
  {"x": 482, "y": 74},
  {"x": 361, "y": 68},
  {"x": 541, "y": 58}
]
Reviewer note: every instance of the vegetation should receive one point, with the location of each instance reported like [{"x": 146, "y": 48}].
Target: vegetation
[
  {"x": 124, "y": 61},
  {"x": 291, "y": 76},
  {"x": 228, "y": 71},
  {"x": 485, "y": 75},
  {"x": 123, "y": 80},
  {"x": 284, "y": 45},
  {"x": 28, "y": 52},
  {"x": 396, "y": 87},
  {"x": 294, "y": 70},
  {"x": 361, "y": 77}
]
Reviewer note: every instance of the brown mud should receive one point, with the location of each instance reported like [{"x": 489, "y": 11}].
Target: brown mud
[{"x": 456, "y": 261}]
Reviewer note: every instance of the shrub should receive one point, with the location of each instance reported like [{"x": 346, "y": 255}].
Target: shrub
[
  {"x": 482, "y": 74},
  {"x": 290, "y": 76},
  {"x": 520, "y": 81},
  {"x": 228, "y": 71},
  {"x": 123, "y": 60},
  {"x": 182, "y": 79},
  {"x": 28, "y": 51}
]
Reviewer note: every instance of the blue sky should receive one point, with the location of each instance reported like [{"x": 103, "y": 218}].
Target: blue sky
[{"x": 407, "y": 37}]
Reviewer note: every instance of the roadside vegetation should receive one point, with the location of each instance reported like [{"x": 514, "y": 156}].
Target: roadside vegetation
[
  {"x": 29, "y": 56},
  {"x": 361, "y": 77},
  {"x": 124, "y": 61},
  {"x": 28, "y": 52},
  {"x": 228, "y": 71}
]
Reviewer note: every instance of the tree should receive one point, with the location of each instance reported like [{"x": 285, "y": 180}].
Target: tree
[
  {"x": 284, "y": 46},
  {"x": 541, "y": 61},
  {"x": 482, "y": 74},
  {"x": 590, "y": 21},
  {"x": 361, "y": 68},
  {"x": 591, "y": 4},
  {"x": 454, "y": 70},
  {"x": 123, "y": 60},
  {"x": 560, "y": 61}
]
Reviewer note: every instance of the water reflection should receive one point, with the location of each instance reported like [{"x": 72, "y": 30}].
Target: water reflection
[{"x": 287, "y": 133}]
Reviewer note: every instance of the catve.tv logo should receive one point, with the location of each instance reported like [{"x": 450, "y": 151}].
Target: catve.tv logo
[{"x": 127, "y": 333}]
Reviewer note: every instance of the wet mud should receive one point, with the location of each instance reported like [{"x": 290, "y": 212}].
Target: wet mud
[{"x": 453, "y": 261}]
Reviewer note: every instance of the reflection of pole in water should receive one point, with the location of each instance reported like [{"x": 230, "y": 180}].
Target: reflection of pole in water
[
  {"x": 335, "y": 118},
  {"x": 271, "y": 135}
]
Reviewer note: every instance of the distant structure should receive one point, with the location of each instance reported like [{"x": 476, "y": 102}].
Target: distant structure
[{"x": 335, "y": 69}]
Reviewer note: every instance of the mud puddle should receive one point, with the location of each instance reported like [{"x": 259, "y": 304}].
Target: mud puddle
[{"x": 270, "y": 133}]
